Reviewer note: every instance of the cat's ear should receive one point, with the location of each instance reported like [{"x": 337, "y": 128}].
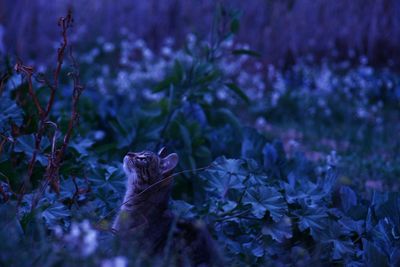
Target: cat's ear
[
  {"x": 162, "y": 153},
  {"x": 169, "y": 163}
]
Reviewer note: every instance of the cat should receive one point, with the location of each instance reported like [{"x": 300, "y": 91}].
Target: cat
[{"x": 144, "y": 213}]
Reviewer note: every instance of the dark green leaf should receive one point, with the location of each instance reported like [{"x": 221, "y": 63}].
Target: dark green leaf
[
  {"x": 238, "y": 91},
  {"x": 246, "y": 52},
  {"x": 235, "y": 24},
  {"x": 262, "y": 199},
  {"x": 26, "y": 145},
  {"x": 279, "y": 231},
  {"x": 313, "y": 219},
  {"x": 54, "y": 213},
  {"x": 224, "y": 175}
]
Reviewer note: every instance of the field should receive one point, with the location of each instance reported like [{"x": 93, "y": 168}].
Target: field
[{"x": 286, "y": 166}]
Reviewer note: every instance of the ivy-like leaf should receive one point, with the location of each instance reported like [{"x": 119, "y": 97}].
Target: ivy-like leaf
[
  {"x": 82, "y": 145},
  {"x": 26, "y": 144},
  {"x": 54, "y": 213},
  {"x": 313, "y": 219},
  {"x": 342, "y": 249},
  {"x": 10, "y": 112},
  {"x": 108, "y": 178},
  {"x": 183, "y": 209},
  {"x": 224, "y": 175},
  {"x": 262, "y": 199},
  {"x": 279, "y": 231},
  {"x": 348, "y": 198},
  {"x": 373, "y": 256}
]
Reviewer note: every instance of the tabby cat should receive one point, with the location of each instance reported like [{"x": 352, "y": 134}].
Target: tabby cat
[{"x": 144, "y": 213}]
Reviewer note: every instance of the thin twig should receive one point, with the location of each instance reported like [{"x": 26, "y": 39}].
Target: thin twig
[
  {"x": 3, "y": 193},
  {"x": 56, "y": 156},
  {"x": 3, "y": 80},
  {"x": 65, "y": 23},
  {"x": 27, "y": 71}
]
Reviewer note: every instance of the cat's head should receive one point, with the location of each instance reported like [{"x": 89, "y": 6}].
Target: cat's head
[{"x": 146, "y": 168}]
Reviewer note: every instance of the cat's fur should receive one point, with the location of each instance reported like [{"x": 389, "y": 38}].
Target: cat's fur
[{"x": 145, "y": 215}]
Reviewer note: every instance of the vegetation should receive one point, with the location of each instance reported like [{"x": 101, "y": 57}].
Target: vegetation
[{"x": 285, "y": 167}]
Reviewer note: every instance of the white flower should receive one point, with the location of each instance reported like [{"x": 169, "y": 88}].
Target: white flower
[
  {"x": 81, "y": 238},
  {"x": 98, "y": 135},
  {"x": 166, "y": 51},
  {"x": 332, "y": 159},
  {"x": 74, "y": 231},
  {"x": 118, "y": 261},
  {"x": 58, "y": 232},
  {"x": 108, "y": 47},
  {"x": 89, "y": 242},
  {"x": 222, "y": 94},
  {"x": 261, "y": 122}
]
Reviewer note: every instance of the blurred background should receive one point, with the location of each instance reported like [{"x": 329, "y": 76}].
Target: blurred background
[
  {"x": 280, "y": 30},
  {"x": 306, "y": 93}
]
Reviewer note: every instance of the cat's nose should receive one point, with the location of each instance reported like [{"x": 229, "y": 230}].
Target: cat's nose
[{"x": 131, "y": 154}]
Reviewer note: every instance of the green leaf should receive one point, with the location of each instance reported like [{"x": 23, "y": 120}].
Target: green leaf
[
  {"x": 279, "y": 231},
  {"x": 54, "y": 213},
  {"x": 10, "y": 112},
  {"x": 82, "y": 145},
  {"x": 26, "y": 145},
  {"x": 224, "y": 175},
  {"x": 313, "y": 219},
  {"x": 185, "y": 135},
  {"x": 246, "y": 52},
  {"x": 342, "y": 249},
  {"x": 348, "y": 198},
  {"x": 373, "y": 255},
  {"x": 252, "y": 144},
  {"x": 225, "y": 116},
  {"x": 108, "y": 178},
  {"x": 238, "y": 91},
  {"x": 235, "y": 25},
  {"x": 263, "y": 199},
  {"x": 183, "y": 209}
]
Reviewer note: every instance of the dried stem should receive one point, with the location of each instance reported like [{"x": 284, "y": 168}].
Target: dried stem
[
  {"x": 56, "y": 156},
  {"x": 3, "y": 193},
  {"x": 65, "y": 23},
  {"x": 3, "y": 80}
]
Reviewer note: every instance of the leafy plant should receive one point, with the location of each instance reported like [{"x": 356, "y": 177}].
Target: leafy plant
[{"x": 263, "y": 206}]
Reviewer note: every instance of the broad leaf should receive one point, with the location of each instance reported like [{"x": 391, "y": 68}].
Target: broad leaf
[
  {"x": 10, "y": 113},
  {"x": 224, "y": 175},
  {"x": 313, "y": 219},
  {"x": 279, "y": 231},
  {"x": 55, "y": 213},
  {"x": 263, "y": 199}
]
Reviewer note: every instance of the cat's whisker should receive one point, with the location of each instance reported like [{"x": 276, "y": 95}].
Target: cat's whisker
[
  {"x": 144, "y": 212},
  {"x": 150, "y": 187}
]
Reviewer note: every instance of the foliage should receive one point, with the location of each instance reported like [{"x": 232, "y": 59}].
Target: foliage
[{"x": 262, "y": 206}]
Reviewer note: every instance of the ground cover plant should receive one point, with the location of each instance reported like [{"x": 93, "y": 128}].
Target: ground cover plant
[{"x": 291, "y": 181}]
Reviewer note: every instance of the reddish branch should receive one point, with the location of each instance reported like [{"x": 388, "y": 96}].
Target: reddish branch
[
  {"x": 3, "y": 80},
  {"x": 79, "y": 191},
  {"x": 64, "y": 23},
  {"x": 3, "y": 194},
  {"x": 57, "y": 155}
]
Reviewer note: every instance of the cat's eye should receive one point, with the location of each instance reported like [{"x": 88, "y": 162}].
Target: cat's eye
[{"x": 143, "y": 160}]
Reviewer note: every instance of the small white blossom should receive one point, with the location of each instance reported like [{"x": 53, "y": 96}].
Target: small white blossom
[
  {"x": 118, "y": 261},
  {"x": 108, "y": 47},
  {"x": 81, "y": 238}
]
